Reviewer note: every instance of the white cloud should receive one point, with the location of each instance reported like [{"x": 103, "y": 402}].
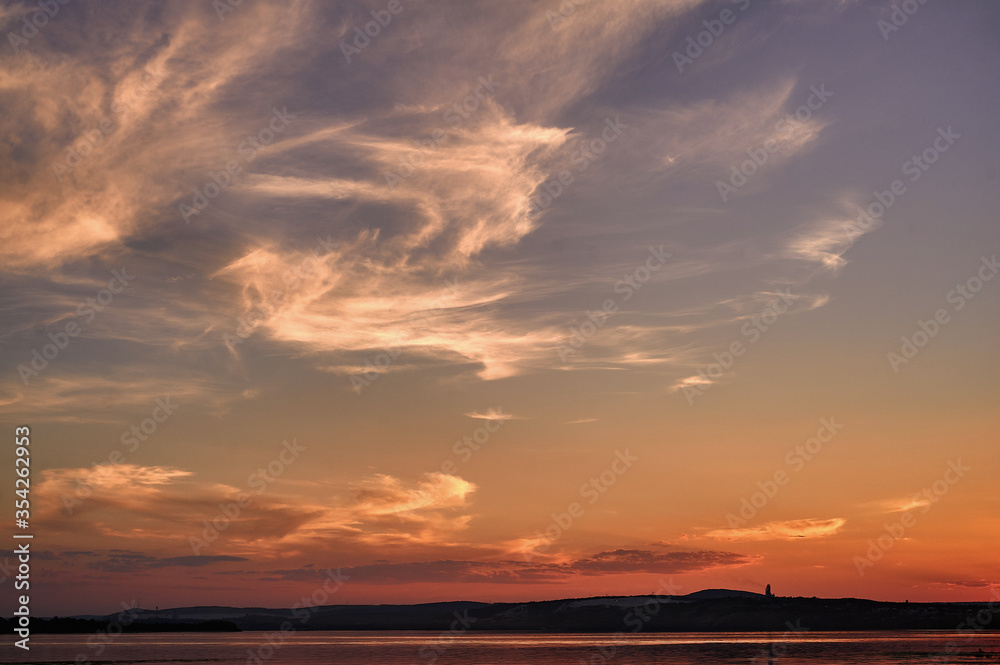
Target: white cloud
[{"x": 491, "y": 414}]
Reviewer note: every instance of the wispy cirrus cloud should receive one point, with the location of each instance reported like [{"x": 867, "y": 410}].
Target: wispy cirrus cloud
[
  {"x": 491, "y": 414},
  {"x": 897, "y": 505},
  {"x": 974, "y": 584},
  {"x": 424, "y": 261},
  {"x": 825, "y": 241},
  {"x": 713, "y": 135},
  {"x": 109, "y": 137},
  {"x": 782, "y": 530},
  {"x": 385, "y": 511}
]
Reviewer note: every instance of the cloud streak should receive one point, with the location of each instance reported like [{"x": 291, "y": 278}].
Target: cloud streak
[
  {"x": 518, "y": 572},
  {"x": 782, "y": 530}
]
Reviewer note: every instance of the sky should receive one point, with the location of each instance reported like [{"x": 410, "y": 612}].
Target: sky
[{"x": 500, "y": 300}]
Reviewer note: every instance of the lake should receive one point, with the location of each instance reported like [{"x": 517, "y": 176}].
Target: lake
[{"x": 414, "y": 647}]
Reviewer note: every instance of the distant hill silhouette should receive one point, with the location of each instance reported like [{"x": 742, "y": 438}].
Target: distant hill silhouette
[
  {"x": 708, "y": 610},
  {"x": 65, "y": 625},
  {"x": 714, "y": 594}
]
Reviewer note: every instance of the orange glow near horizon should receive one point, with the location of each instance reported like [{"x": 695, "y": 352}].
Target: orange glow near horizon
[{"x": 501, "y": 307}]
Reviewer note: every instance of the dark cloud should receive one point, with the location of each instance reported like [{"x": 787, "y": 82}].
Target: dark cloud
[
  {"x": 645, "y": 561},
  {"x": 43, "y": 555},
  {"x": 126, "y": 562},
  {"x": 517, "y": 572},
  {"x": 972, "y": 584}
]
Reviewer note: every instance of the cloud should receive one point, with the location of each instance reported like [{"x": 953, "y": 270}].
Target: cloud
[
  {"x": 118, "y": 502},
  {"x": 156, "y": 504},
  {"x": 113, "y": 476},
  {"x": 823, "y": 242},
  {"x": 385, "y": 511},
  {"x": 710, "y": 136},
  {"x": 695, "y": 380},
  {"x": 518, "y": 572},
  {"x": 446, "y": 571},
  {"x": 746, "y": 309},
  {"x": 388, "y": 287},
  {"x": 108, "y": 139},
  {"x": 491, "y": 414},
  {"x": 897, "y": 505},
  {"x": 645, "y": 561},
  {"x": 416, "y": 262},
  {"x": 45, "y": 555},
  {"x": 975, "y": 584},
  {"x": 130, "y": 562},
  {"x": 466, "y": 195},
  {"x": 782, "y": 530},
  {"x": 68, "y": 394},
  {"x": 386, "y": 495}
]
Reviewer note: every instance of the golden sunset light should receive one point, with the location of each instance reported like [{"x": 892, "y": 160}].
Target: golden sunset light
[{"x": 499, "y": 301}]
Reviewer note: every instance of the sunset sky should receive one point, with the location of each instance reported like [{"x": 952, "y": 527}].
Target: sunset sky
[{"x": 500, "y": 303}]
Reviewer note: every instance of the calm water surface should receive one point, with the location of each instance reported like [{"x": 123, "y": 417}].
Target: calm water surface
[{"x": 423, "y": 648}]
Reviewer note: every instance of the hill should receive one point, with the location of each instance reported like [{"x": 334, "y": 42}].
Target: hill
[{"x": 708, "y": 610}]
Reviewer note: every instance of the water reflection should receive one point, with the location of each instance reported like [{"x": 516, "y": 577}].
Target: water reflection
[{"x": 401, "y": 648}]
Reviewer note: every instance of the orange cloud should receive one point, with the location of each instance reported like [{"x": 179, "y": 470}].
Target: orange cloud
[
  {"x": 157, "y": 503},
  {"x": 782, "y": 530}
]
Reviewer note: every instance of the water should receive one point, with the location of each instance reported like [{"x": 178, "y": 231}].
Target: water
[{"x": 424, "y": 648}]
